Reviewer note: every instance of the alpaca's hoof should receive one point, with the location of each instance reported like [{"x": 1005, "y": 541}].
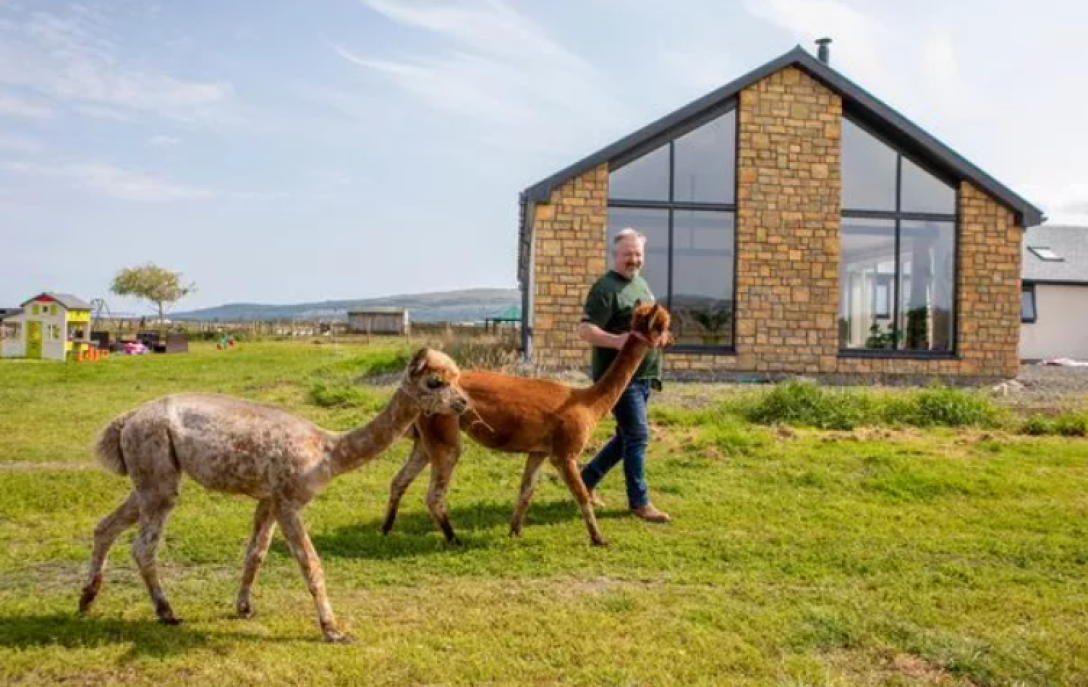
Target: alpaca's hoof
[
  {"x": 456, "y": 541},
  {"x": 245, "y": 611},
  {"x": 515, "y": 533},
  {"x": 599, "y": 541},
  {"x": 337, "y": 637},
  {"x": 170, "y": 620},
  {"x": 87, "y": 600}
]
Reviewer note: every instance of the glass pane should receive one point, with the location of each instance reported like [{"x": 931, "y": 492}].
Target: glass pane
[
  {"x": 923, "y": 192},
  {"x": 702, "y": 288},
  {"x": 645, "y": 178},
  {"x": 927, "y": 250},
  {"x": 868, "y": 170},
  {"x": 867, "y": 284},
  {"x": 1027, "y": 304},
  {"x": 655, "y": 225},
  {"x": 705, "y": 162}
]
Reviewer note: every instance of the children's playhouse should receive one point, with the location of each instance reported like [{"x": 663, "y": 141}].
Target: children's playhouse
[{"x": 53, "y": 326}]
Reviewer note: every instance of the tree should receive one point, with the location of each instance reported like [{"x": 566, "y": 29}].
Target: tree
[{"x": 157, "y": 285}]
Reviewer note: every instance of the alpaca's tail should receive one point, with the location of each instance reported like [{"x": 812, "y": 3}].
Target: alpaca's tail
[{"x": 108, "y": 446}]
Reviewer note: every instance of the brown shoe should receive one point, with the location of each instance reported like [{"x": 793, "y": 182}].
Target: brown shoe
[
  {"x": 595, "y": 499},
  {"x": 651, "y": 514}
]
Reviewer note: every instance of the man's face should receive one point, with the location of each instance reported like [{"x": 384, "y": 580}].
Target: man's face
[{"x": 628, "y": 257}]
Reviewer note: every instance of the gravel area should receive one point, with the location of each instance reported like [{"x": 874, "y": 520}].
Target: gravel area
[{"x": 1037, "y": 388}]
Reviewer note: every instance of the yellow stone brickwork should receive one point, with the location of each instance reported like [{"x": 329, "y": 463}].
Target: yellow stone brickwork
[
  {"x": 788, "y": 219},
  {"x": 569, "y": 254}
]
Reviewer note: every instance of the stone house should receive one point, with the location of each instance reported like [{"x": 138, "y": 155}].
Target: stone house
[{"x": 796, "y": 225}]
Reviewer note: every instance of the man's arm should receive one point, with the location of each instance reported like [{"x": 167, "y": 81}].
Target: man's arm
[{"x": 595, "y": 336}]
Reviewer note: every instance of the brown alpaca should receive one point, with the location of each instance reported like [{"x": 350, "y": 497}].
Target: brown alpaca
[
  {"x": 232, "y": 445},
  {"x": 517, "y": 415}
]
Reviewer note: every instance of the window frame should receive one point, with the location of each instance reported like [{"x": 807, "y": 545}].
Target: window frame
[
  {"x": 1029, "y": 288},
  {"x": 898, "y": 216},
  {"x": 671, "y": 206}
]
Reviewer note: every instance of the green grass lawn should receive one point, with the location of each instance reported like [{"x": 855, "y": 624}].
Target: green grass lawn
[{"x": 797, "y": 556}]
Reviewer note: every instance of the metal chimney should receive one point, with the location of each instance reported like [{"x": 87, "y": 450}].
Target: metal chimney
[{"x": 823, "y": 52}]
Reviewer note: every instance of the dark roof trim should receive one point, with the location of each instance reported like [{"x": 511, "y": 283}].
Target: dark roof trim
[
  {"x": 859, "y": 98},
  {"x": 1056, "y": 282}
]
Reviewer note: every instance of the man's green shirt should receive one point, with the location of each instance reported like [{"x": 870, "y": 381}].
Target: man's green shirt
[{"x": 610, "y": 305}]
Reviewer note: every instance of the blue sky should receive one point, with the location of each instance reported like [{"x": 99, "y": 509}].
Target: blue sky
[{"x": 283, "y": 152}]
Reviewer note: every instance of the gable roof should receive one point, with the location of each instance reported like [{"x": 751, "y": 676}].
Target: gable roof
[
  {"x": 1069, "y": 243},
  {"x": 855, "y": 99},
  {"x": 66, "y": 299}
]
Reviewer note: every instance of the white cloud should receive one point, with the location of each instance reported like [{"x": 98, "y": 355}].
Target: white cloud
[
  {"x": 700, "y": 68},
  {"x": 943, "y": 77},
  {"x": 163, "y": 141},
  {"x": 71, "y": 59},
  {"x": 860, "y": 40},
  {"x": 116, "y": 182},
  {"x": 496, "y": 68},
  {"x": 1063, "y": 204},
  {"x": 100, "y": 112},
  {"x": 19, "y": 144},
  {"x": 13, "y": 106}
]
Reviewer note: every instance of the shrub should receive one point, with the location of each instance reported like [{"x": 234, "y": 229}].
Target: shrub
[
  {"x": 487, "y": 354},
  {"x": 1071, "y": 425},
  {"x": 946, "y": 407},
  {"x": 803, "y": 402},
  {"x": 1067, "y": 424}
]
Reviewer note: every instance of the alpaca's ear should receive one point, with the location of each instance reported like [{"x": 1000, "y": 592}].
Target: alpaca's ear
[{"x": 419, "y": 362}]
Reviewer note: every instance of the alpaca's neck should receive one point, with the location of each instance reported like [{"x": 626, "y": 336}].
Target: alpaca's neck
[
  {"x": 607, "y": 390},
  {"x": 353, "y": 449}
]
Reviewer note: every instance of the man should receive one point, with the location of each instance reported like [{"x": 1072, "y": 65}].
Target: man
[{"x": 606, "y": 325}]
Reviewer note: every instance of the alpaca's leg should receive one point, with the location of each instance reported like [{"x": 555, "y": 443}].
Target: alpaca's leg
[
  {"x": 154, "y": 511},
  {"x": 264, "y": 525},
  {"x": 107, "y": 531},
  {"x": 528, "y": 483},
  {"x": 568, "y": 468},
  {"x": 290, "y": 520},
  {"x": 415, "y": 463},
  {"x": 442, "y": 466}
]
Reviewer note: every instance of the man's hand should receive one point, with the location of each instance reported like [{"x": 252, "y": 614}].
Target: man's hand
[{"x": 595, "y": 336}]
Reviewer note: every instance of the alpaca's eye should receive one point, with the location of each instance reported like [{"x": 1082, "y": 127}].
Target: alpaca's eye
[{"x": 435, "y": 383}]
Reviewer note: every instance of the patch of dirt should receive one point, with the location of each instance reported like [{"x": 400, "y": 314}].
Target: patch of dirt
[
  {"x": 46, "y": 466},
  {"x": 862, "y": 668}
]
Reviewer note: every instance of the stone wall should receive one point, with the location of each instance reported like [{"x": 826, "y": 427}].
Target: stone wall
[{"x": 569, "y": 253}]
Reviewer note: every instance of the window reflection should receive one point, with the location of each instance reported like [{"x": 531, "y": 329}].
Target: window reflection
[
  {"x": 926, "y": 284},
  {"x": 645, "y": 178},
  {"x": 654, "y": 224},
  {"x": 702, "y": 289},
  {"x": 689, "y": 250},
  {"x": 868, "y": 170},
  {"x": 923, "y": 192},
  {"x": 705, "y": 165},
  {"x": 867, "y": 284}
]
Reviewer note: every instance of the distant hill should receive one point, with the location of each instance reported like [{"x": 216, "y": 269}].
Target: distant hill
[{"x": 450, "y": 306}]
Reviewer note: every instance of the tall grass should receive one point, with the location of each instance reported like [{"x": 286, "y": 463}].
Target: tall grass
[{"x": 805, "y": 403}]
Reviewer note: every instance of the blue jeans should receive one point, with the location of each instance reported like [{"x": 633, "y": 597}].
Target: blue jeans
[{"x": 628, "y": 444}]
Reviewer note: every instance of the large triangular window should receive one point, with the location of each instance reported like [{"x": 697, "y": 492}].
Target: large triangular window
[
  {"x": 681, "y": 196},
  {"x": 897, "y": 271}
]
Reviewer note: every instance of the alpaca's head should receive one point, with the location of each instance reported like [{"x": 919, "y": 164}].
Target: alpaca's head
[
  {"x": 651, "y": 321},
  {"x": 433, "y": 380}
]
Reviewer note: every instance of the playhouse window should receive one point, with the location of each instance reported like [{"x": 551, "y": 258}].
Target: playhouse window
[{"x": 54, "y": 332}]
